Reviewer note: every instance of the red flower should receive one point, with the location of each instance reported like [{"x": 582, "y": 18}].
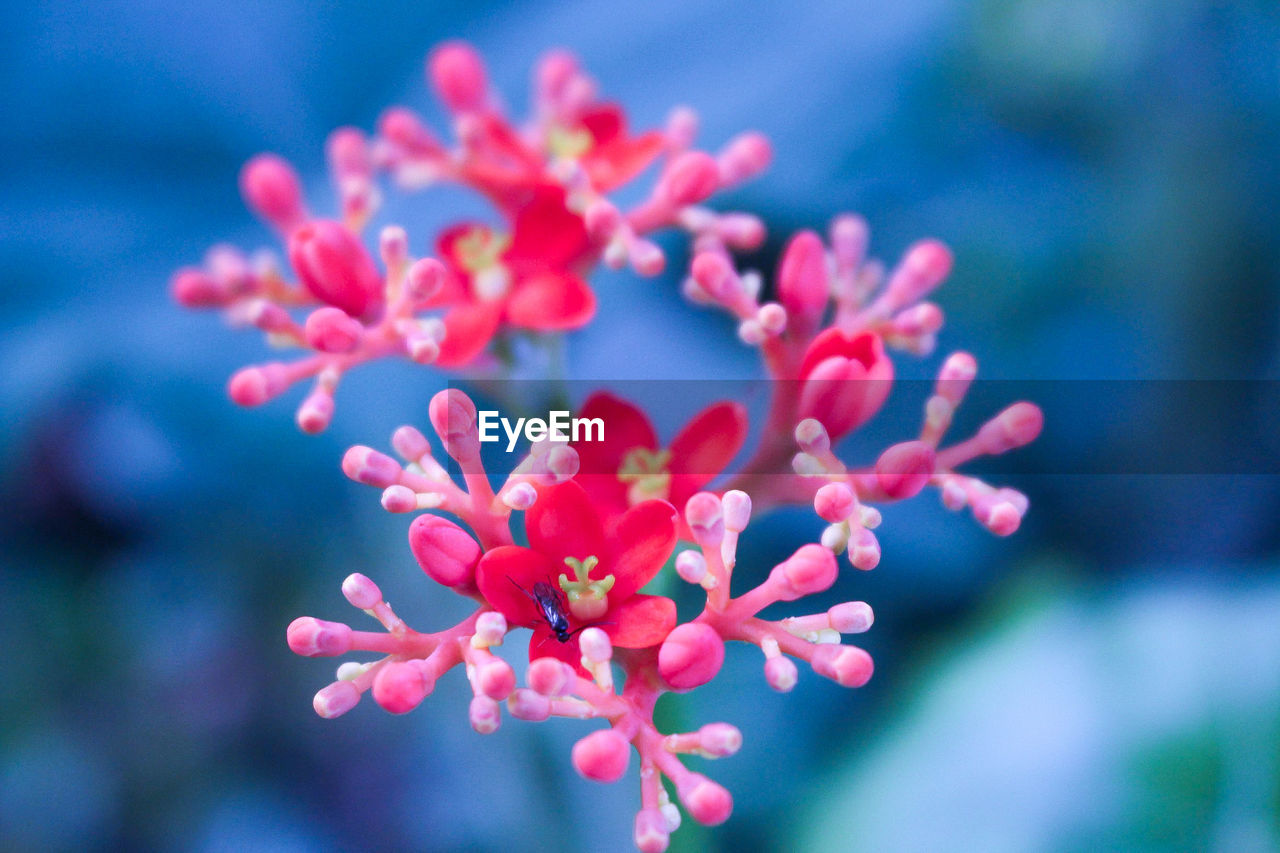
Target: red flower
[
  {"x": 602, "y": 145},
  {"x": 628, "y": 466},
  {"x": 846, "y": 378},
  {"x": 602, "y": 574},
  {"x": 522, "y": 280}
]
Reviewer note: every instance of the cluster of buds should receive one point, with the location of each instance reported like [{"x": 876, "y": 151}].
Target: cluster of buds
[
  {"x": 549, "y": 182},
  {"x": 600, "y": 519}
]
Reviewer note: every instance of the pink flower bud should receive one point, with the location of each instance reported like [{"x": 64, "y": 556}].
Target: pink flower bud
[
  {"x": 602, "y": 756},
  {"x": 550, "y": 676},
  {"x": 746, "y": 156},
  {"x": 595, "y": 646},
  {"x": 334, "y": 267},
  {"x": 520, "y": 497},
  {"x": 314, "y": 638},
  {"x": 453, "y": 416},
  {"x": 331, "y": 329},
  {"x": 737, "y": 510},
  {"x": 491, "y": 628},
  {"x": 781, "y": 674},
  {"x": 812, "y": 436},
  {"x": 485, "y": 714},
  {"x": 864, "y": 550},
  {"x": 1017, "y": 425},
  {"x": 601, "y": 219},
  {"x": 495, "y": 679},
  {"x": 529, "y": 705},
  {"x": 457, "y": 72},
  {"x": 742, "y": 230},
  {"x": 904, "y": 469},
  {"x": 651, "y": 834},
  {"x": 802, "y": 281},
  {"x": 192, "y": 288},
  {"x": 425, "y": 279},
  {"x": 368, "y": 466},
  {"x": 923, "y": 268},
  {"x": 719, "y": 739},
  {"x": 846, "y": 378},
  {"x": 271, "y": 188},
  {"x": 707, "y": 803},
  {"x": 336, "y": 699},
  {"x": 445, "y": 551},
  {"x": 692, "y": 177},
  {"x": 255, "y": 385},
  {"x": 716, "y": 275},
  {"x": 348, "y": 153},
  {"x": 847, "y": 666},
  {"x": 849, "y": 236},
  {"x": 400, "y": 686},
  {"x": 361, "y": 591},
  {"x": 834, "y": 502},
  {"x": 690, "y": 656},
  {"x": 851, "y": 617},
  {"x": 691, "y": 566},
  {"x": 810, "y": 569},
  {"x": 647, "y": 257},
  {"x": 406, "y": 131},
  {"x": 705, "y": 518},
  {"x": 316, "y": 411},
  {"x": 410, "y": 443}
]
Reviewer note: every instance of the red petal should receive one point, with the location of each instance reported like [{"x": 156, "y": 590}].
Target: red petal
[
  {"x": 643, "y": 541},
  {"x": 468, "y": 329},
  {"x": 642, "y": 621},
  {"x": 625, "y": 428},
  {"x": 546, "y": 234},
  {"x": 550, "y": 301},
  {"x": 613, "y": 164},
  {"x": 705, "y": 447},
  {"x": 605, "y": 122},
  {"x": 864, "y": 347},
  {"x": 501, "y": 569},
  {"x": 447, "y": 241},
  {"x": 543, "y": 644},
  {"x": 562, "y": 523}
]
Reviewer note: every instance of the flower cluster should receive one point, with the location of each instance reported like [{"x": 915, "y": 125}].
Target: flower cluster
[
  {"x": 601, "y": 520},
  {"x": 549, "y": 183}
]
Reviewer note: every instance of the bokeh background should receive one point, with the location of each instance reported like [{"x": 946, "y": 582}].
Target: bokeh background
[{"x": 1109, "y": 677}]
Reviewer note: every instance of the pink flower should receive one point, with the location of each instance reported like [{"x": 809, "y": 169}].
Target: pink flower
[
  {"x": 629, "y": 467},
  {"x": 847, "y": 378},
  {"x": 594, "y": 577},
  {"x": 524, "y": 279}
]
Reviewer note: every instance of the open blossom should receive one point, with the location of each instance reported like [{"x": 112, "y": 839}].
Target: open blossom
[
  {"x": 601, "y": 518},
  {"x": 524, "y": 279},
  {"x": 630, "y": 466},
  {"x": 596, "y": 576}
]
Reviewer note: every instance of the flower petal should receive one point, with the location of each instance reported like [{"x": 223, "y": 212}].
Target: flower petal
[
  {"x": 502, "y": 569},
  {"x": 626, "y": 427},
  {"x": 705, "y": 447},
  {"x": 468, "y": 328},
  {"x": 546, "y": 234},
  {"x": 550, "y": 301},
  {"x": 865, "y": 348},
  {"x": 605, "y": 122},
  {"x": 644, "y": 539},
  {"x": 543, "y": 644},
  {"x": 612, "y": 164},
  {"x": 563, "y": 523},
  {"x": 641, "y": 621}
]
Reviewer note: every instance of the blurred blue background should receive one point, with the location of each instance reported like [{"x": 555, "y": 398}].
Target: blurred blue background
[{"x": 1109, "y": 677}]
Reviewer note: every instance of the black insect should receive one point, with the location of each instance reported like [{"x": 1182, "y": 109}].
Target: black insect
[{"x": 551, "y": 602}]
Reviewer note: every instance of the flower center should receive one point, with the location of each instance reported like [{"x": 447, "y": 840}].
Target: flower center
[
  {"x": 566, "y": 143},
  {"x": 480, "y": 254},
  {"x": 588, "y": 599},
  {"x": 646, "y": 475}
]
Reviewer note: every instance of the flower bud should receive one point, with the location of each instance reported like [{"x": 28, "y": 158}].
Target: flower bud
[
  {"x": 904, "y": 469},
  {"x": 529, "y": 705},
  {"x": 495, "y": 679},
  {"x": 1017, "y": 425},
  {"x": 425, "y": 279},
  {"x": 781, "y": 674},
  {"x": 255, "y": 385},
  {"x": 746, "y": 156},
  {"x": 737, "y": 510},
  {"x": 651, "y": 835},
  {"x": 400, "y": 686},
  {"x": 361, "y": 591},
  {"x": 847, "y": 666},
  {"x": 922, "y": 269},
  {"x": 846, "y": 379},
  {"x": 864, "y": 550},
  {"x": 707, "y": 803},
  {"x": 193, "y": 288},
  {"x": 802, "y": 281},
  {"x": 719, "y": 739},
  {"x": 690, "y": 656},
  {"x": 485, "y": 715},
  {"x": 453, "y": 416},
  {"x": 691, "y": 566},
  {"x": 810, "y": 569},
  {"x": 595, "y": 646},
  {"x": 457, "y": 72},
  {"x": 851, "y": 617},
  {"x": 445, "y": 551},
  {"x": 331, "y": 329},
  {"x": 550, "y": 676},
  {"x": 602, "y": 756},
  {"x": 271, "y": 188},
  {"x": 315, "y": 638},
  {"x": 336, "y": 699},
  {"x": 371, "y": 468},
  {"x": 834, "y": 502},
  {"x": 705, "y": 518},
  {"x": 692, "y": 177},
  {"x": 333, "y": 265}
]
